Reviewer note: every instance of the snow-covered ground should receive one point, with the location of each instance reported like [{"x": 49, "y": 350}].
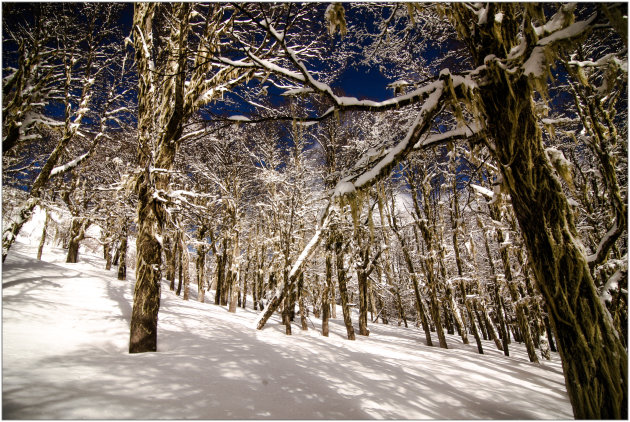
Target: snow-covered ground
[{"x": 64, "y": 350}]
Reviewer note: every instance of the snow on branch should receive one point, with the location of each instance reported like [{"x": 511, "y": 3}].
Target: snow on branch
[
  {"x": 342, "y": 102},
  {"x": 69, "y": 165},
  {"x": 571, "y": 31},
  {"x": 605, "y": 244},
  {"x": 422, "y": 123},
  {"x": 483, "y": 191},
  {"x": 462, "y": 133},
  {"x": 537, "y": 63}
]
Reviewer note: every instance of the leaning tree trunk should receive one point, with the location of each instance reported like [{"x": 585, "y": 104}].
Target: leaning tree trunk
[
  {"x": 428, "y": 262},
  {"x": 497, "y": 294},
  {"x": 42, "y": 241},
  {"x": 122, "y": 264},
  {"x": 594, "y": 359},
  {"x": 540, "y": 336},
  {"x": 414, "y": 280},
  {"x": 458, "y": 226}
]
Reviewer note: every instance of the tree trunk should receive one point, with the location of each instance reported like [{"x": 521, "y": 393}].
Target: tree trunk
[
  {"x": 473, "y": 326},
  {"x": 480, "y": 321},
  {"x": 255, "y": 290},
  {"x": 9, "y": 235},
  {"x": 234, "y": 273},
  {"x": 227, "y": 283},
  {"x": 373, "y": 308},
  {"x": 429, "y": 264},
  {"x": 116, "y": 254},
  {"x": 180, "y": 259},
  {"x": 383, "y": 310},
  {"x": 343, "y": 290},
  {"x": 171, "y": 260},
  {"x": 457, "y": 225},
  {"x": 286, "y": 318},
  {"x": 302, "y": 307},
  {"x": 401, "y": 309},
  {"x": 457, "y": 316},
  {"x": 521, "y": 317},
  {"x": 448, "y": 320},
  {"x": 552, "y": 344},
  {"x": 42, "y": 241},
  {"x": 201, "y": 270},
  {"x": 327, "y": 288},
  {"x": 122, "y": 265},
  {"x": 363, "y": 302},
  {"x": 73, "y": 245},
  {"x": 245, "y": 277},
  {"x": 333, "y": 303},
  {"x": 420, "y": 306},
  {"x": 498, "y": 307},
  {"x": 498, "y": 311},
  {"x": 414, "y": 280},
  {"x": 220, "y": 271},
  {"x": 594, "y": 358},
  {"x": 146, "y": 298},
  {"x": 492, "y": 333},
  {"x": 151, "y": 214},
  {"x": 233, "y": 290},
  {"x": 595, "y": 361},
  {"x": 107, "y": 253},
  {"x": 77, "y": 234},
  {"x": 540, "y": 336},
  {"x": 186, "y": 273}
]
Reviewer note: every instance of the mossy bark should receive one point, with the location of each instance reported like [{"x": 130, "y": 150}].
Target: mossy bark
[
  {"x": 122, "y": 263},
  {"x": 343, "y": 289},
  {"x": 595, "y": 361},
  {"x": 154, "y": 154}
]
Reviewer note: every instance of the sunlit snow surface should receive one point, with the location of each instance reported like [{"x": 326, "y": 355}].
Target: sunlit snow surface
[{"x": 64, "y": 350}]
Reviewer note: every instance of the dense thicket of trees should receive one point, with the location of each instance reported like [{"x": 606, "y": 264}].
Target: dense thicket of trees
[{"x": 487, "y": 197}]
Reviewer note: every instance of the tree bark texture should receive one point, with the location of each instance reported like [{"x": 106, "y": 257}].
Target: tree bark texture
[
  {"x": 77, "y": 234},
  {"x": 42, "y": 241},
  {"x": 122, "y": 264},
  {"x": 327, "y": 288},
  {"x": 595, "y": 361},
  {"x": 343, "y": 289},
  {"x": 154, "y": 153}
]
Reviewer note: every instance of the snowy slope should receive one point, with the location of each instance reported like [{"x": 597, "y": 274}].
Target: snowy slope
[{"x": 65, "y": 333}]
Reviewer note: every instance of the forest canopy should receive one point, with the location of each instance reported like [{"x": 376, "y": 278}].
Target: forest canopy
[{"x": 457, "y": 166}]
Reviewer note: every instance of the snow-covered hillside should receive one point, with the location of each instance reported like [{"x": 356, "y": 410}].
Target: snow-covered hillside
[{"x": 64, "y": 342}]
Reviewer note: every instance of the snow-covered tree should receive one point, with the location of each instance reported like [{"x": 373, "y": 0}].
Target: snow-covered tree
[{"x": 81, "y": 70}]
